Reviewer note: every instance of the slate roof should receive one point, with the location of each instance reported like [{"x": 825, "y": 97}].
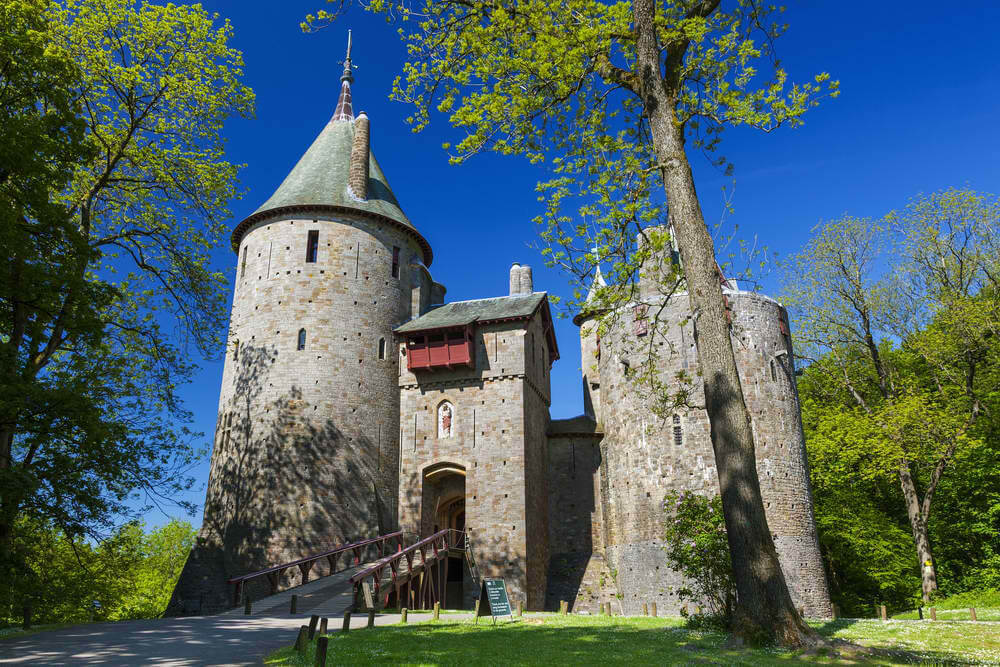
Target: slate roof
[
  {"x": 319, "y": 182},
  {"x": 320, "y": 177},
  {"x": 460, "y": 313}
]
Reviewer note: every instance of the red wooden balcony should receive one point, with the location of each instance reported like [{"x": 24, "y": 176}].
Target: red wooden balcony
[{"x": 440, "y": 349}]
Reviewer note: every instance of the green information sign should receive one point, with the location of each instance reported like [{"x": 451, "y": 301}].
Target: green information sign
[{"x": 493, "y": 600}]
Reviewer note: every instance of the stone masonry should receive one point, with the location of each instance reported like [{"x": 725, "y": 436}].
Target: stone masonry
[{"x": 355, "y": 402}]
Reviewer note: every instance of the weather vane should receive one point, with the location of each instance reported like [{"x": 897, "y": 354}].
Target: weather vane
[{"x": 348, "y": 67}]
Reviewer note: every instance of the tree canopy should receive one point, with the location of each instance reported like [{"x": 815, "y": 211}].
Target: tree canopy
[{"x": 108, "y": 286}]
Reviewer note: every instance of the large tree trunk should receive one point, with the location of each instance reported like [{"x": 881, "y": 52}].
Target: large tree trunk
[
  {"x": 918, "y": 525},
  {"x": 764, "y": 610}
]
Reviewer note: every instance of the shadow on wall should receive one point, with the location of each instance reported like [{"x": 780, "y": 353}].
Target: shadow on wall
[
  {"x": 737, "y": 480},
  {"x": 285, "y": 482}
]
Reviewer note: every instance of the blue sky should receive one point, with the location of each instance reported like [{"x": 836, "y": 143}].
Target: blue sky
[{"x": 918, "y": 112}]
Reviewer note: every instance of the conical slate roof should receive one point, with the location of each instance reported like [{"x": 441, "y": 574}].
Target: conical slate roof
[
  {"x": 318, "y": 182},
  {"x": 320, "y": 178}
]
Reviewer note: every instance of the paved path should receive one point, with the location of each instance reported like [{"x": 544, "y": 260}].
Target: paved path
[
  {"x": 181, "y": 642},
  {"x": 227, "y": 639}
]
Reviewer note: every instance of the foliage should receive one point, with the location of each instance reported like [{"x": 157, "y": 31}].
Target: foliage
[
  {"x": 697, "y": 548},
  {"x": 129, "y": 575},
  {"x": 898, "y": 318},
  {"x": 111, "y": 269},
  {"x": 554, "y": 83}
]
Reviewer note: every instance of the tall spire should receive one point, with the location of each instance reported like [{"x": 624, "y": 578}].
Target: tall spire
[{"x": 345, "y": 110}]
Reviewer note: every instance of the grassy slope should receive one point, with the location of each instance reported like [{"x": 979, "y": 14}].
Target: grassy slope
[{"x": 551, "y": 639}]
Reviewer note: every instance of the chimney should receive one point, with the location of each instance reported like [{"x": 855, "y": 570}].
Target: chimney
[
  {"x": 515, "y": 279},
  {"x": 357, "y": 179},
  {"x": 527, "y": 286}
]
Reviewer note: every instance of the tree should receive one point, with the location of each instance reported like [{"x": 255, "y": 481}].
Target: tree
[
  {"x": 129, "y": 575},
  {"x": 911, "y": 347},
  {"x": 610, "y": 94},
  {"x": 108, "y": 260}
]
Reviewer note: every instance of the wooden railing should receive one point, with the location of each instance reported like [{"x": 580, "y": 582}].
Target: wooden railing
[
  {"x": 421, "y": 594},
  {"x": 274, "y": 573}
]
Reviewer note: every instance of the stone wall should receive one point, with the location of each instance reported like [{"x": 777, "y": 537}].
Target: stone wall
[
  {"x": 577, "y": 570},
  {"x": 646, "y": 455},
  {"x": 305, "y": 455}
]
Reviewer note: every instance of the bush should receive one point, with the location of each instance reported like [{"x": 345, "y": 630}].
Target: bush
[{"x": 697, "y": 547}]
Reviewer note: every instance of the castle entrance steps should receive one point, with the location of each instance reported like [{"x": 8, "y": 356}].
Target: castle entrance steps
[
  {"x": 265, "y": 589},
  {"x": 328, "y": 596},
  {"x": 415, "y": 577}
]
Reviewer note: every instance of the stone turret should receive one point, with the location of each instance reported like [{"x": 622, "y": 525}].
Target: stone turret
[
  {"x": 590, "y": 348},
  {"x": 307, "y": 443}
]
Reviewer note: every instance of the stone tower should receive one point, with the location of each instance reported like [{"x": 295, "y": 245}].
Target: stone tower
[
  {"x": 644, "y": 456},
  {"x": 474, "y": 411},
  {"x": 306, "y": 447}
]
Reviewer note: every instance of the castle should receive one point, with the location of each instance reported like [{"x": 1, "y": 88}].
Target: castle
[{"x": 355, "y": 400}]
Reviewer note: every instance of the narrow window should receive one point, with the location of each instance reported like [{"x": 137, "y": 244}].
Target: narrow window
[
  {"x": 774, "y": 373},
  {"x": 302, "y": 339},
  {"x": 312, "y": 245},
  {"x": 678, "y": 432},
  {"x": 381, "y": 348},
  {"x": 395, "y": 261},
  {"x": 243, "y": 266}
]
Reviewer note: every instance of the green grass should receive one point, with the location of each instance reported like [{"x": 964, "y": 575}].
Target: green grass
[
  {"x": 554, "y": 639},
  {"x": 956, "y": 607},
  {"x": 12, "y": 632}
]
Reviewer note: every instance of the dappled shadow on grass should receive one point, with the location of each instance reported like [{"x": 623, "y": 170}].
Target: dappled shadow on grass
[
  {"x": 549, "y": 640},
  {"x": 582, "y": 640}
]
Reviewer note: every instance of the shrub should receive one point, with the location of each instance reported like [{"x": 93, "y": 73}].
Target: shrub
[{"x": 697, "y": 547}]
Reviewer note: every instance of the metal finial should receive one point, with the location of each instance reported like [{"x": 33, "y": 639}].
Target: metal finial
[{"x": 348, "y": 75}]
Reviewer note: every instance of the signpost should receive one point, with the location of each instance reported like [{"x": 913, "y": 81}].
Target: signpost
[{"x": 493, "y": 600}]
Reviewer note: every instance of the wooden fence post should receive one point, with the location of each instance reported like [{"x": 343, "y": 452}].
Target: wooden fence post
[
  {"x": 321, "y": 647},
  {"x": 313, "y": 622},
  {"x": 302, "y": 639},
  {"x": 323, "y": 622},
  {"x": 836, "y": 611},
  {"x": 347, "y": 622},
  {"x": 972, "y": 613},
  {"x": 563, "y": 607},
  {"x": 645, "y": 609},
  {"x": 437, "y": 610},
  {"x": 294, "y": 605},
  {"x": 371, "y": 618},
  {"x": 933, "y": 613},
  {"x": 882, "y": 612},
  {"x": 520, "y": 608},
  {"x": 654, "y": 609},
  {"x": 402, "y": 613}
]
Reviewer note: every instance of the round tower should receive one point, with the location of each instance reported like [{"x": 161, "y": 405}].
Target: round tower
[
  {"x": 646, "y": 455},
  {"x": 306, "y": 447}
]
